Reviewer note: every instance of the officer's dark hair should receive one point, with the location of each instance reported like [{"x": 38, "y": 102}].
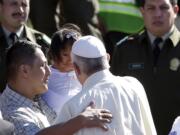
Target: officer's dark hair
[
  {"x": 61, "y": 40},
  {"x": 22, "y": 52},
  {"x": 1, "y": 1},
  {"x": 142, "y": 2}
]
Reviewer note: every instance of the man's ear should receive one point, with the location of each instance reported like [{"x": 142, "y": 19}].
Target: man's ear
[
  {"x": 142, "y": 10},
  {"x": 176, "y": 9},
  {"x": 24, "y": 70}
]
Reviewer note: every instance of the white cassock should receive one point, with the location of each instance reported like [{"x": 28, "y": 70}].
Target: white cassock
[{"x": 123, "y": 96}]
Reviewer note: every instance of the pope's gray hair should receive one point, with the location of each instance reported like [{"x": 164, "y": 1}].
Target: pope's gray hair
[{"x": 90, "y": 65}]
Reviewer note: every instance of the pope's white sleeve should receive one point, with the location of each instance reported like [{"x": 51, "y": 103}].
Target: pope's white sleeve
[
  {"x": 145, "y": 112},
  {"x": 147, "y": 118},
  {"x": 64, "y": 115}
]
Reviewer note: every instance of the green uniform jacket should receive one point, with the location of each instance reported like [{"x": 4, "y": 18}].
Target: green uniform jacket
[
  {"x": 29, "y": 34},
  {"x": 134, "y": 57}
]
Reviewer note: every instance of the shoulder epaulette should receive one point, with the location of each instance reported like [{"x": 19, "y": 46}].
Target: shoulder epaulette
[
  {"x": 122, "y": 40},
  {"x": 46, "y": 38},
  {"x": 128, "y": 38},
  {"x": 43, "y": 39}
]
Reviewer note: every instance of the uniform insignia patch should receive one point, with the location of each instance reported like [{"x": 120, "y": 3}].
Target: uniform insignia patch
[
  {"x": 135, "y": 66},
  {"x": 174, "y": 64}
]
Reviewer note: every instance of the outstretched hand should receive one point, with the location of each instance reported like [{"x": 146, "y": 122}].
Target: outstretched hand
[{"x": 96, "y": 117}]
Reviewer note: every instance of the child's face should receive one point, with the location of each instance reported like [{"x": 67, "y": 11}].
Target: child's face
[{"x": 66, "y": 63}]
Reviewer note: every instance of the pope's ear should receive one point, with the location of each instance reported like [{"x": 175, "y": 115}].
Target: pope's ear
[{"x": 77, "y": 69}]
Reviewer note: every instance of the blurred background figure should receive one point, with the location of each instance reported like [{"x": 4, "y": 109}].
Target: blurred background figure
[
  {"x": 63, "y": 83},
  {"x": 49, "y": 15},
  {"x": 82, "y": 13},
  {"x": 119, "y": 19},
  {"x": 44, "y": 15}
]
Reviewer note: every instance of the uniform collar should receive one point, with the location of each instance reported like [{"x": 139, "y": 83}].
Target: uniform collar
[
  {"x": 143, "y": 37},
  {"x": 164, "y": 37},
  {"x": 7, "y": 32},
  {"x": 29, "y": 35},
  {"x": 174, "y": 36}
]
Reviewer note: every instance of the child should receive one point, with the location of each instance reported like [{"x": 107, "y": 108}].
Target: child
[{"x": 63, "y": 83}]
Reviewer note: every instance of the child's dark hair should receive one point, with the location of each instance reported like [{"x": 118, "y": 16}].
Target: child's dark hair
[{"x": 60, "y": 40}]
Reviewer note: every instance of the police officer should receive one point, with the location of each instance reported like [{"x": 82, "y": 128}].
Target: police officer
[
  {"x": 153, "y": 58},
  {"x": 14, "y": 15}
]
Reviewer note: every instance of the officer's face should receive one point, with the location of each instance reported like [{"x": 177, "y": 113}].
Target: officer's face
[
  {"x": 14, "y": 13},
  {"x": 159, "y": 16}
]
